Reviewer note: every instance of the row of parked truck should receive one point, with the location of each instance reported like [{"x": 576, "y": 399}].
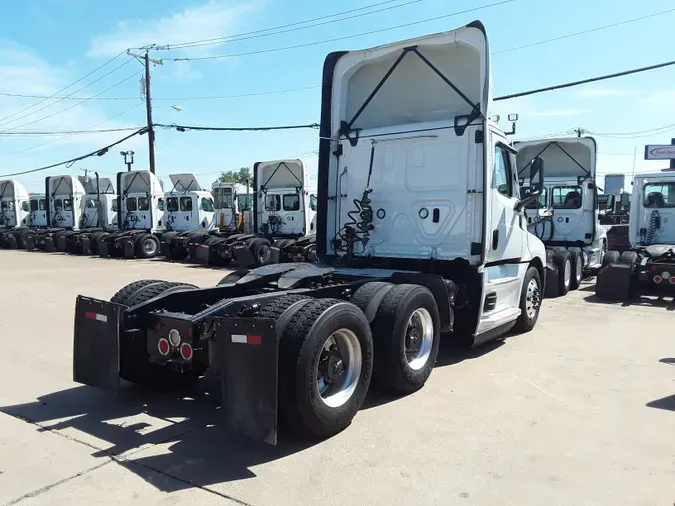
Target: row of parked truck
[
  {"x": 430, "y": 221},
  {"x": 270, "y": 222}
]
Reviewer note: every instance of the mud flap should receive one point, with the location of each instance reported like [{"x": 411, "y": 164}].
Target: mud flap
[
  {"x": 165, "y": 249},
  {"x": 30, "y": 243},
  {"x": 61, "y": 243},
  {"x": 203, "y": 254},
  {"x": 247, "y": 356},
  {"x": 244, "y": 256},
  {"x": 103, "y": 249},
  {"x": 49, "y": 244},
  {"x": 86, "y": 245},
  {"x": 12, "y": 242},
  {"x": 552, "y": 281},
  {"x": 96, "y": 343},
  {"x": 129, "y": 249},
  {"x": 615, "y": 282}
]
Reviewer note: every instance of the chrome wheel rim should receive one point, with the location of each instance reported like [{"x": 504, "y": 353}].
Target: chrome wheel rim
[
  {"x": 419, "y": 339},
  {"x": 339, "y": 368},
  {"x": 532, "y": 299},
  {"x": 567, "y": 276},
  {"x": 149, "y": 247}
]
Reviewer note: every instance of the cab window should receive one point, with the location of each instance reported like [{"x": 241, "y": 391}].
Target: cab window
[
  {"x": 312, "y": 202},
  {"x": 143, "y": 204},
  {"x": 33, "y": 205},
  {"x": 501, "y": 179},
  {"x": 172, "y": 204},
  {"x": 207, "y": 205},
  {"x": 223, "y": 197},
  {"x": 25, "y": 206},
  {"x": 243, "y": 201},
  {"x": 566, "y": 197},
  {"x": 291, "y": 202},
  {"x": 67, "y": 204},
  {"x": 272, "y": 203},
  {"x": 90, "y": 204},
  {"x": 160, "y": 204},
  {"x": 659, "y": 195},
  {"x": 4, "y": 207},
  {"x": 186, "y": 203},
  {"x": 58, "y": 205},
  {"x": 8, "y": 206},
  {"x": 115, "y": 206},
  {"x": 131, "y": 204},
  {"x": 43, "y": 204}
]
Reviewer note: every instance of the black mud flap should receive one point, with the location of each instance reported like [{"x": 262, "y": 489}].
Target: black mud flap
[
  {"x": 49, "y": 244},
  {"x": 243, "y": 255},
  {"x": 551, "y": 288},
  {"x": 203, "y": 254},
  {"x": 96, "y": 343},
  {"x": 165, "y": 249},
  {"x": 275, "y": 255},
  {"x": 61, "y": 243},
  {"x": 12, "y": 242},
  {"x": 615, "y": 282},
  {"x": 30, "y": 243},
  {"x": 103, "y": 249},
  {"x": 86, "y": 245},
  {"x": 247, "y": 356},
  {"x": 128, "y": 249}
]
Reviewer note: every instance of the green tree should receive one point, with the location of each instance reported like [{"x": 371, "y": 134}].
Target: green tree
[{"x": 235, "y": 176}]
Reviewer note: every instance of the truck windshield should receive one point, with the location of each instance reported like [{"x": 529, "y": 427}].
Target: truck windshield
[
  {"x": 58, "y": 205},
  {"x": 43, "y": 205},
  {"x": 659, "y": 195},
  {"x": 172, "y": 204},
  {"x": 291, "y": 202},
  {"x": 67, "y": 204},
  {"x": 131, "y": 204},
  {"x": 143, "y": 204},
  {"x": 223, "y": 197},
  {"x": 33, "y": 205},
  {"x": 566, "y": 197},
  {"x": 272, "y": 203},
  {"x": 207, "y": 205},
  {"x": 186, "y": 203}
]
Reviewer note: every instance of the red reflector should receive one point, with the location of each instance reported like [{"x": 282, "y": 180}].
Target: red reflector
[
  {"x": 243, "y": 339},
  {"x": 190, "y": 331},
  {"x": 655, "y": 267},
  {"x": 163, "y": 346},
  {"x": 253, "y": 339},
  {"x": 672, "y": 280},
  {"x": 658, "y": 279},
  {"x": 186, "y": 351},
  {"x": 158, "y": 325},
  {"x": 89, "y": 314}
]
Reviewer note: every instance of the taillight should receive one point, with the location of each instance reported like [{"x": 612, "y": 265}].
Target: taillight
[
  {"x": 163, "y": 346},
  {"x": 186, "y": 351},
  {"x": 657, "y": 279},
  {"x": 672, "y": 280}
]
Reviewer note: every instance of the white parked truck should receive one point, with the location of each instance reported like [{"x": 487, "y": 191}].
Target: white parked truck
[
  {"x": 648, "y": 267},
  {"x": 420, "y": 231},
  {"x": 98, "y": 218},
  {"x": 190, "y": 216},
  {"x": 65, "y": 205},
  {"x": 14, "y": 214},
  {"x": 284, "y": 220},
  {"x": 566, "y": 216},
  {"x": 38, "y": 211},
  {"x": 140, "y": 219}
]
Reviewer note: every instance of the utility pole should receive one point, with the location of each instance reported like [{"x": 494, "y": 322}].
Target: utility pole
[
  {"x": 579, "y": 131},
  {"x": 146, "y": 61}
]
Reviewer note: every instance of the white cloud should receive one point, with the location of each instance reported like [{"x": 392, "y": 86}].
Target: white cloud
[
  {"x": 660, "y": 98},
  {"x": 559, "y": 112},
  {"x": 210, "y": 20},
  {"x": 599, "y": 92}
]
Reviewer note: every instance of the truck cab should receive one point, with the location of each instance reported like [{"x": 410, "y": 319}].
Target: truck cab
[
  {"x": 652, "y": 209},
  {"x": 286, "y": 205},
  {"x": 568, "y": 217},
  {"x": 226, "y": 206},
  {"x": 14, "y": 205},
  {"x": 65, "y": 196},
  {"x": 38, "y": 211},
  {"x": 141, "y": 204},
  {"x": 187, "y": 205},
  {"x": 100, "y": 204}
]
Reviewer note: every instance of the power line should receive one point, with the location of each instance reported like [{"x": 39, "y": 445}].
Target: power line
[
  {"x": 276, "y": 31},
  {"x": 64, "y": 89},
  {"x": 98, "y": 152},
  {"x": 74, "y": 132},
  {"x": 583, "y": 32},
  {"x": 315, "y": 43},
  {"x": 185, "y": 128},
  {"x": 3, "y": 122},
  {"x": 585, "y": 81},
  {"x": 72, "y": 106},
  {"x": 637, "y": 134}
]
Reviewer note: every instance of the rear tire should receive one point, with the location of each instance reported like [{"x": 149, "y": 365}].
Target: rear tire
[
  {"x": 260, "y": 248},
  {"x": 307, "y": 367},
  {"x": 610, "y": 257},
  {"x": 369, "y": 296},
  {"x": 125, "y": 293},
  {"x": 530, "y": 301},
  {"x": 406, "y": 337},
  {"x": 562, "y": 260},
  {"x": 629, "y": 257}
]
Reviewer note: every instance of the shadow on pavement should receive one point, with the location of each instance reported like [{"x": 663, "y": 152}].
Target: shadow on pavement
[
  {"x": 670, "y": 361},
  {"x": 667, "y": 403},
  {"x": 655, "y": 301}
]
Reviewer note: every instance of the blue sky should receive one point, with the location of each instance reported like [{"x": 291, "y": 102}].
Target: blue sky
[{"x": 48, "y": 44}]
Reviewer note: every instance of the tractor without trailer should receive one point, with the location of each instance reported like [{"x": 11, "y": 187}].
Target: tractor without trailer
[
  {"x": 65, "y": 198},
  {"x": 566, "y": 216},
  {"x": 420, "y": 231},
  {"x": 284, "y": 220},
  {"x": 140, "y": 219},
  {"x": 14, "y": 214},
  {"x": 648, "y": 267},
  {"x": 190, "y": 216}
]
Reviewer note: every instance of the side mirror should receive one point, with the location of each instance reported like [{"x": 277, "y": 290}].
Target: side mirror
[{"x": 537, "y": 176}]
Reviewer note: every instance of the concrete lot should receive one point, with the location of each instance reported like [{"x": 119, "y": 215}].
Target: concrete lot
[{"x": 580, "y": 411}]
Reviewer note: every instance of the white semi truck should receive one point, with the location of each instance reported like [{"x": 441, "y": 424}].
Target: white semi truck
[
  {"x": 566, "y": 216},
  {"x": 648, "y": 267},
  {"x": 14, "y": 214},
  {"x": 284, "y": 220},
  {"x": 420, "y": 231}
]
